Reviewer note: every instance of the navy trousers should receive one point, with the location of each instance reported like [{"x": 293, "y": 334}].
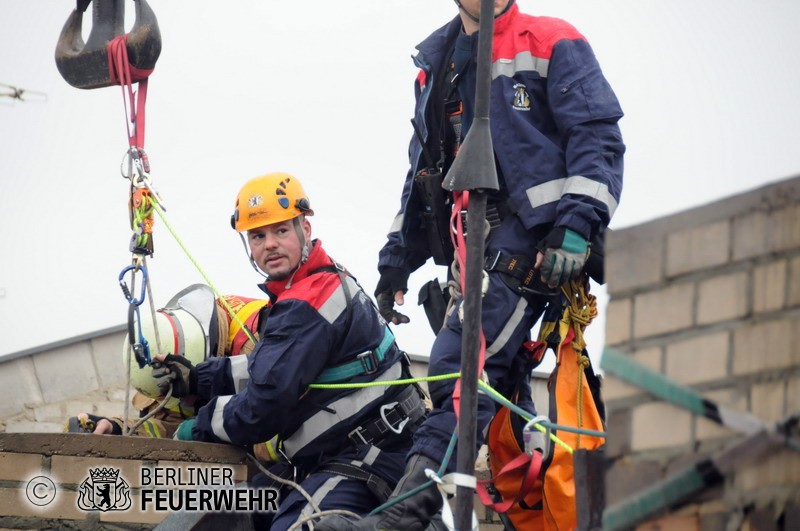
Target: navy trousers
[{"x": 507, "y": 319}]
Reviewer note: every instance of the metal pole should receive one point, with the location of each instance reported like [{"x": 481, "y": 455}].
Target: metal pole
[
  {"x": 474, "y": 170},
  {"x": 470, "y": 346}
]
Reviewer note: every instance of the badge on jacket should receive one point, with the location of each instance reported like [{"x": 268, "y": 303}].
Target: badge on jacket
[{"x": 522, "y": 102}]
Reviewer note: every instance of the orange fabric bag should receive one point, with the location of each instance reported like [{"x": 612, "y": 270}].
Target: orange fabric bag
[{"x": 549, "y": 504}]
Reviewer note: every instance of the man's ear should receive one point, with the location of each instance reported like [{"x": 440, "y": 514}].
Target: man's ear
[{"x": 307, "y": 229}]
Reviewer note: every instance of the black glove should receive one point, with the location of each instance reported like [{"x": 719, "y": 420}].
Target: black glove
[
  {"x": 565, "y": 253},
  {"x": 87, "y": 423},
  {"x": 178, "y": 372},
  {"x": 595, "y": 264},
  {"x": 393, "y": 279}
]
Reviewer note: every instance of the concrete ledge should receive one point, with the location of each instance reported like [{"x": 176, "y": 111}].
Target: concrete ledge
[
  {"x": 116, "y": 447},
  {"x": 69, "y": 462}
]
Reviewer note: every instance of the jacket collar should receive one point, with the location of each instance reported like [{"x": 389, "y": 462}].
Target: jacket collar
[{"x": 441, "y": 40}]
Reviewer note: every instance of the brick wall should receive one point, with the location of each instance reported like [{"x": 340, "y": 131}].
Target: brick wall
[
  {"x": 710, "y": 298},
  {"x": 44, "y": 385}
]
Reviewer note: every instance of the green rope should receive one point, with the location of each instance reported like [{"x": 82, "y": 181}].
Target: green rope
[
  {"x": 451, "y": 447},
  {"x": 447, "y": 455},
  {"x": 542, "y": 425},
  {"x": 437, "y": 378},
  {"x": 203, "y": 273}
]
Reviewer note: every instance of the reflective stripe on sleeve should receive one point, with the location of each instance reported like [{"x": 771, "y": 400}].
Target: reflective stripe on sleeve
[
  {"x": 239, "y": 372},
  {"x": 551, "y": 191},
  {"x": 397, "y": 224},
  {"x": 218, "y": 417}
]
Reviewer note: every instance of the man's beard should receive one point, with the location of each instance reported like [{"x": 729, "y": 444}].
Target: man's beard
[
  {"x": 281, "y": 276},
  {"x": 285, "y": 274}
]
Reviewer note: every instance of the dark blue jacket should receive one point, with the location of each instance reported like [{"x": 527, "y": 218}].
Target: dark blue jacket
[
  {"x": 553, "y": 116},
  {"x": 308, "y": 331}
]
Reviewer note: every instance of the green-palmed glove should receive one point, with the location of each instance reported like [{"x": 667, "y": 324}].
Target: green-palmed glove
[
  {"x": 565, "y": 253},
  {"x": 184, "y": 431}
]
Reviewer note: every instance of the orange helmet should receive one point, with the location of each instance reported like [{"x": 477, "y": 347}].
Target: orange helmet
[{"x": 269, "y": 199}]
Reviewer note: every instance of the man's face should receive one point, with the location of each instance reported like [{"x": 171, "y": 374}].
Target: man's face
[
  {"x": 473, "y": 7},
  {"x": 277, "y": 249}
]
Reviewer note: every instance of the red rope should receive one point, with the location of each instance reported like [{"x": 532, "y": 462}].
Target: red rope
[
  {"x": 122, "y": 73},
  {"x": 531, "y": 464},
  {"x": 461, "y": 203}
]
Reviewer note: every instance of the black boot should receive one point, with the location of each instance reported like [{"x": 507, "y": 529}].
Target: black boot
[{"x": 411, "y": 514}]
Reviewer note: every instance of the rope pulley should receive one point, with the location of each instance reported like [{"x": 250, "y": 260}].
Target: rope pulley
[
  {"x": 136, "y": 167},
  {"x": 86, "y": 65}
]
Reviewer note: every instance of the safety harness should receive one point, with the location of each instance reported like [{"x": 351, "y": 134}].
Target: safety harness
[
  {"x": 376, "y": 484},
  {"x": 366, "y": 363},
  {"x": 406, "y": 410},
  {"x": 517, "y": 273},
  {"x": 402, "y": 414}
]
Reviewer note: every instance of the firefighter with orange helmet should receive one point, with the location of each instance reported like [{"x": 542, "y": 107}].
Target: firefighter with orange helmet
[{"x": 346, "y": 446}]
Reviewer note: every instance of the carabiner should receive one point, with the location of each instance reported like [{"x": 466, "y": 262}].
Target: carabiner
[
  {"x": 140, "y": 347},
  {"x": 138, "y": 164},
  {"x": 124, "y": 285},
  {"x": 535, "y": 439},
  {"x": 402, "y": 424}
]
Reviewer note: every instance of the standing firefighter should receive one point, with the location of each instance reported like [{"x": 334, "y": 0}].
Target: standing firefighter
[
  {"x": 558, "y": 153},
  {"x": 346, "y": 446}
]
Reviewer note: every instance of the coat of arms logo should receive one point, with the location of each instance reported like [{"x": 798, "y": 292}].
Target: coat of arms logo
[
  {"x": 522, "y": 101},
  {"x": 104, "y": 490}
]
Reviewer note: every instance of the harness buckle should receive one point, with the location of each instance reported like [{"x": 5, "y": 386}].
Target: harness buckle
[
  {"x": 493, "y": 265},
  {"x": 356, "y": 436},
  {"x": 369, "y": 356},
  {"x": 536, "y": 440},
  {"x": 399, "y": 429}
]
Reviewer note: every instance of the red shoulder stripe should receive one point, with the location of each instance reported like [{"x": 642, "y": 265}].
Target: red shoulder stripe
[
  {"x": 536, "y": 35},
  {"x": 315, "y": 289}
]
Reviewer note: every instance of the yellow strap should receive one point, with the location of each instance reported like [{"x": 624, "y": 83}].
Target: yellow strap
[{"x": 244, "y": 314}]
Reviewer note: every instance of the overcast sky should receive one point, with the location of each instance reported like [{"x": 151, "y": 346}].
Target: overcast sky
[{"x": 324, "y": 90}]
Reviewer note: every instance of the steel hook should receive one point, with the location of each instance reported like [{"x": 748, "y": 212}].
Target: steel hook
[{"x": 85, "y": 65}]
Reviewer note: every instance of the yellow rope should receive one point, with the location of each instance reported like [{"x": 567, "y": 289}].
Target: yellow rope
[
  {"x": 500, "y": 398},
  {"x": 583, "y": 362},
  {"x": 578, "y": 315},
  {"x": 230, "y": 311}
]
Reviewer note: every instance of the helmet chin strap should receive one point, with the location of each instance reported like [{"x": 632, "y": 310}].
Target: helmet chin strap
[
  {"x": 298, "y": 227},
  {"x": 471, "y": 17},
  {"x": 250, "y": 257}
]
